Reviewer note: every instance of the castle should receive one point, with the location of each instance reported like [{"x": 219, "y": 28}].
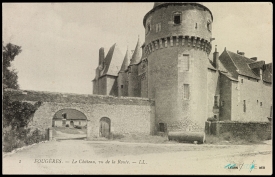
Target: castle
[{"x": 174, "y": 67}]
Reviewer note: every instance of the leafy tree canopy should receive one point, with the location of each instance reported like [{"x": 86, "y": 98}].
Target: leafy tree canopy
[{"x": 10, "y": 51}]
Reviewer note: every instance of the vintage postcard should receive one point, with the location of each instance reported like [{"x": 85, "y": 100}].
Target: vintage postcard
[{"x": 137, "y": 88}]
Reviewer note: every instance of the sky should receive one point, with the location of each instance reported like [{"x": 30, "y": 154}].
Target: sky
[{"x": 60, "y": 41}]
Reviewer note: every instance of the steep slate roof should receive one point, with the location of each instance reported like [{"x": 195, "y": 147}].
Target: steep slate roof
[
  {"x": 256, "y": 64},
  {"x": 229, "y": 76},
  {"x": 112, "y": 61},
  {"x": 125, "y": 63},
  {"x": 242, "y": 64},
  {"x": 222, "y": 68},
  {"x": 210, "y": 65},
  {"x": 72, "y": 114},
  {"x": 136, "y": 55}
]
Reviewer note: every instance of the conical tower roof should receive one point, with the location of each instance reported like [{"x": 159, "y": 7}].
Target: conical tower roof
[
  {"x": 125, "y": 63},
  {"x": 136, "y": 55}
]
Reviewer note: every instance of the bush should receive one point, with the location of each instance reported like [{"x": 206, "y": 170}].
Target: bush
[
  {"x": 18, "y": 138},
  {"x": 67, "y": 125},
  {"x": 11, "y": 141},
  {"x": 35, "y": 137}
]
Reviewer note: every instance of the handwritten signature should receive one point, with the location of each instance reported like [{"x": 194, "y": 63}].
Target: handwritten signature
[{"x": 250, "y": 167}]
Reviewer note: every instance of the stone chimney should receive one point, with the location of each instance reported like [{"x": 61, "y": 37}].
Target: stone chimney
[
  {"x": 101, "y": 56},
  {"x": 254, "y": 58},
  {"x": 240, "y": 53},
  {"x": 216, "y": 58}
]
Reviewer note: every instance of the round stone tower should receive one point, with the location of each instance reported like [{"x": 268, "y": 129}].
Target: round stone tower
[{"x": 177, "y": 45}]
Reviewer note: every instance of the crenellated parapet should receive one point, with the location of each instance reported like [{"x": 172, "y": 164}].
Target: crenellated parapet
[{"x": 178, "y": 41}]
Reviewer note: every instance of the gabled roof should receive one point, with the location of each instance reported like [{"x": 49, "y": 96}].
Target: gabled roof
[
  {"x": 136, "y": 55},
  {"x": 242, "y": 64},
  {"x": 112, "y": 61},
  {"x": 125, "y": 63}
]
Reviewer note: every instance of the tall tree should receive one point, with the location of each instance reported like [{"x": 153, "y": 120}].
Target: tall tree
[{"x": 10, "y": 51}]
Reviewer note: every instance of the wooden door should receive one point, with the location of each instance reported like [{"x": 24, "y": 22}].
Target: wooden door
[{"x": 105, "y": 127}]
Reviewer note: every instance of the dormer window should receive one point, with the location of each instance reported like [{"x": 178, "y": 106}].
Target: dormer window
[
  {"x": 177, "y": 18},
  {"x": 64, "y": 115}
]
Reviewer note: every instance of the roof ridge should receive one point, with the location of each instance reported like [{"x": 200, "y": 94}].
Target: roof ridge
[{"x": 244, "y": 57}]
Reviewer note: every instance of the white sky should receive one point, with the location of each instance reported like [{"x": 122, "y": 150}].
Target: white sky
[{"x": 60, "y": 41}]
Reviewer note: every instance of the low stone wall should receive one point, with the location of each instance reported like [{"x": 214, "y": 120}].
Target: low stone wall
[{"x": 261, "y": 130}]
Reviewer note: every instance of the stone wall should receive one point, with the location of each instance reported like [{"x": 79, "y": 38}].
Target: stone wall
[
  {"x": 133, "y": 81},
  {"x": 258, "y": 100},
  {"x": 112, "y": 88},
  {"x": 213, "y": 89},
  {"x": 225, "y": 97},
  {"x": 242, "y": 130},
  {"x": 127, "y": 115}
]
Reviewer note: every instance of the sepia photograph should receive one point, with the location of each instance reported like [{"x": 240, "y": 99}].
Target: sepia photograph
[{"x": 158, "y": 88}]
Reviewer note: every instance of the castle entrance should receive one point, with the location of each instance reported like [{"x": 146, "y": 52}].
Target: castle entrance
[{"x": 69, "y": 124}]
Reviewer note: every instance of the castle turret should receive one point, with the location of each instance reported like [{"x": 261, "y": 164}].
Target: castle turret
[
  {"x": 133, "y": 81},
  {"x": 122, "y": 76},
  {"x": 177, "y": 44}
]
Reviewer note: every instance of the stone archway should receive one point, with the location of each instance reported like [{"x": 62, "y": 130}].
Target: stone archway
[
  {"x": 69, "y": 123},
  {"x": 105, "y": 127}
]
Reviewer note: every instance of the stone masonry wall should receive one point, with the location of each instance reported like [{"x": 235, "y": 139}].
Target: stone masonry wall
[
  {"x": 242, "y": 130},
  {"x": 127, "y": 115}
]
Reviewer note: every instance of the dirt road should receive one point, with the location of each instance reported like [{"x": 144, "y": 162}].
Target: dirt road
[{"x": 110, "y": 157}]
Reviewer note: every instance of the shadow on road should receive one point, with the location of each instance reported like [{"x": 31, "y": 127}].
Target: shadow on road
[
  {"x": 64, "y": 133},
  {"x": 61, "y": 139}
]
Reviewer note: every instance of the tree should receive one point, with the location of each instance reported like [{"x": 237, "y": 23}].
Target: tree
[
  {"x": 16, "y": 114},
  {"x": 10, "y": 51}
]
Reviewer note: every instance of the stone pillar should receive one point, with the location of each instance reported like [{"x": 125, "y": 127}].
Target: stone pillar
[
  {"x": 183, "y": 40},
  {"x": 160, "y": 43},
  {"x": 177, "y": 40},
  {"x": 165, "y": 42},
  {"x": 156, "y": 45},
  {"x": 50, "y": 134},
  {"x": 171, "y": 41}
]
